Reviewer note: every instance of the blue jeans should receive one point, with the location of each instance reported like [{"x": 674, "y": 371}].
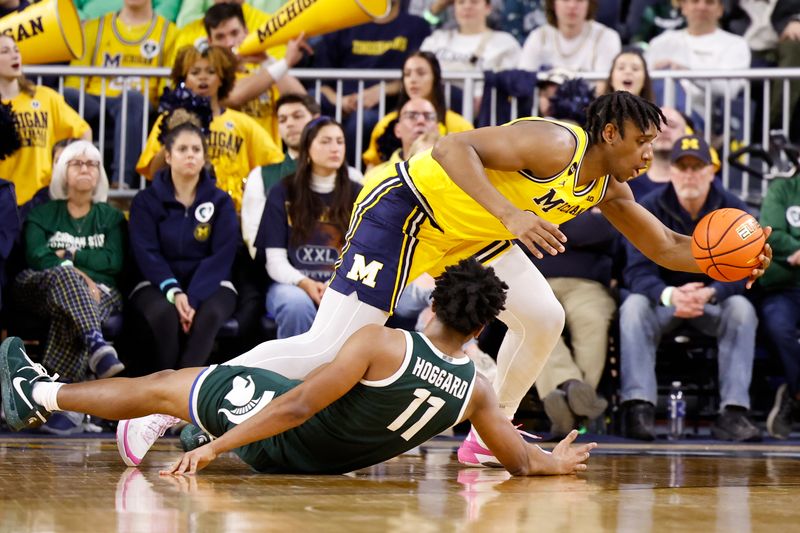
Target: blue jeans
[
  {"x": 292, "y": 308},
  {"x": 132, "y": 127},
  {"x": 642, "y": 323},
  {"x": 781, "y": 312}
]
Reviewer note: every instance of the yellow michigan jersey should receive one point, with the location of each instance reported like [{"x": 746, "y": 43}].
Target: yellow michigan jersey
[
  {"x": 110, "y": 43},
  {"x": 236, "y": 145},
  {"x": 42, "y": 120},
  {"x": 556, "y": 199}
]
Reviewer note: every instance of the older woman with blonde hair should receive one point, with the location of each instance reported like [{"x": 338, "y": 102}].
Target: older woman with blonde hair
[{"x": 74, "y": 249}]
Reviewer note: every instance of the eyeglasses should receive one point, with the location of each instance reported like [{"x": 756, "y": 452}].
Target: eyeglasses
[
  {"x": 77, "y": 163},
  {"x": 416, "y": 115}
]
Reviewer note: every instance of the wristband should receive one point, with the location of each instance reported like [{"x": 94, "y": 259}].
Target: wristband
[
  {"x": 174, "y": 291},
  {"x": 430, "y": 18},
  {"x": 276, "y": 70},
  {"x": 666, "y": 296},
  {"x": 66, "y": 263}
]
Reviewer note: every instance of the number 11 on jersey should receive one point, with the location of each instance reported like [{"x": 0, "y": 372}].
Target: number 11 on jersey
[{"x": 422, "y": 395}]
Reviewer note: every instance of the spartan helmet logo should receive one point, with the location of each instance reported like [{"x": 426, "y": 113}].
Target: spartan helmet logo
[{"x": 240, "y": 397}]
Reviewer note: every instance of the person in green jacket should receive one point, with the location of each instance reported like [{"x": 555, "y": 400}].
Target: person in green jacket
[
  {"x": 780, "y": 305},
  {"x": 74, "y": 250}
]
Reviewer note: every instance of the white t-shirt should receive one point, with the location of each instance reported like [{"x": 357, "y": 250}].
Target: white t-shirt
[
  {"x": 593, "y": 50},
  {"x": 456, "y": 52},
  {"x": 719, "y": 50}
]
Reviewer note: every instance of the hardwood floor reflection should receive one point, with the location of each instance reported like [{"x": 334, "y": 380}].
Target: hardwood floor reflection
[{"x": 81, "y": 485}]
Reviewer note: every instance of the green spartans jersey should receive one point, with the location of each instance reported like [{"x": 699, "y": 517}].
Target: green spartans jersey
[{"x": 373, "y": 422}]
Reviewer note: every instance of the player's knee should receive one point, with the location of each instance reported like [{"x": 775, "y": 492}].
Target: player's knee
[{"x": 538, "y": 316}]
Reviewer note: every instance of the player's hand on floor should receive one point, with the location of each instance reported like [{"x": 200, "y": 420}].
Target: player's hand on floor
[
  {"x": 533, "y": 231},
  {"x": 192, "y": 461},
  {"x": 765, "y": 258},
  {"x": 572, "y": 459}
]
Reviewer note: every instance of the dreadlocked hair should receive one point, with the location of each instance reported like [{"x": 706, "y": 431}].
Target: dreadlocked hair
[
  {"x": 617, "y": 107},
  {"x": 468, "y": 296}
]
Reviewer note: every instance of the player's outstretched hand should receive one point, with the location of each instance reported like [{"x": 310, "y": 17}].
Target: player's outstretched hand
[
  {"x": 533, "y": 231},
  {"x": 192, "y": 461},
  {"x": 572, "y": 459},
  {"x": 765, "y": 258}
]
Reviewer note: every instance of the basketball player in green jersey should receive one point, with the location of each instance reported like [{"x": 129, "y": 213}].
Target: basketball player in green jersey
[{"x": 386, "y": 392}]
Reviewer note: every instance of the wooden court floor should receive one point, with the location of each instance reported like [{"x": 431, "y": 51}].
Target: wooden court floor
[{"x": 55, "y": 485}]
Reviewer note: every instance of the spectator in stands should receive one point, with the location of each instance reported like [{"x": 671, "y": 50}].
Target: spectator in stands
[
  {"x": 256, "y": 12},
  {"x": 648, "y": 18},
  {"x": 521, "y": 17},
  {"x": 772, "y": 30},
  {"x": 472, "y": 46},
  {"x": 780, "y": 305},
  {"x": 580, "y": 278},
  {"x": 571, "y": 39},
  {"x": 257, "y": 88},
  {"x": 417, "y": 117},
  {"x": 441, "y": 13},
  {"x": 74, "y": 246},
  {"x": 379, "y": 45},
  {"x": 702, "y": 45},
  {"x": 629, "y": 73},
  {"x": 184, "y": 235},
  {"x": 43, "y": 118},
  {"x": 294, "y": 111},
  {"x": 422, "y": 78},
  {"x": 662, "y": 300},
  {"x": 92, "y": 9},
  {"x": 237, "y": 144},
  {"x": 306, "y": 217},
  {"x": 133, "y": 37}
]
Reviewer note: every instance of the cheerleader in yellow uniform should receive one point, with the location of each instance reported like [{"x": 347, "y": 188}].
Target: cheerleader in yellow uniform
[
  {"x": 42, "y": 118},
  {"x": 236, "y": 143}
]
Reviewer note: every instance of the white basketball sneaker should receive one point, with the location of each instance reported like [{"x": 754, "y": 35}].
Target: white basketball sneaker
[{"x": 136, "y": 436}]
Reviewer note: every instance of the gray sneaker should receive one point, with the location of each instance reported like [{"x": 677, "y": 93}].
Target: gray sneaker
[
  {"x": 558, "y": 411},
  {"x": 779, "y": 420}
]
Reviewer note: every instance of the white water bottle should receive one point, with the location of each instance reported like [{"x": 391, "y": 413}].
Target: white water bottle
[{"x": 677, "y": 412}]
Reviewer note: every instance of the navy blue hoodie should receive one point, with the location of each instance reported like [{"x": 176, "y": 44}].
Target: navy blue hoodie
[
  {"x": 9, "y": 225},
  {"x": 647, "y": 278},
  {"x": 190, "y": 248}
]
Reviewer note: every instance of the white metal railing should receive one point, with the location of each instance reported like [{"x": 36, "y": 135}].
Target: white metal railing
[{"x": 467, "y": 81}]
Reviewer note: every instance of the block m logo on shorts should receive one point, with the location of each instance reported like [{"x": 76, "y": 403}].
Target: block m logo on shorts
[{"x": 363, "y": 272}]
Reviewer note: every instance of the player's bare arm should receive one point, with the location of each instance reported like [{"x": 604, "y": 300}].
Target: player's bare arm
[
  {"x": 373, "y": 352},
  {"x": 657, "y": 242},
  {"x": 541, "y": 147},
  {"x": 516, "y": 455}
]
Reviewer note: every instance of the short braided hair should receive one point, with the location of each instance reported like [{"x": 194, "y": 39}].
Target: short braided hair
[
  {"x": 616, "y": 108},
  {"x": 468, "y": 295}
]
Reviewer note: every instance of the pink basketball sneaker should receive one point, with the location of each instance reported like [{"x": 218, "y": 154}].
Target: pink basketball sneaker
[
  {"x": 136, "y": 436},
  {"x": 472, "y": 453}
]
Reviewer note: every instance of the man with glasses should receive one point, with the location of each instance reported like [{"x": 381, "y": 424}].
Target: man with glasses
[{"x": 417, "y": 117}]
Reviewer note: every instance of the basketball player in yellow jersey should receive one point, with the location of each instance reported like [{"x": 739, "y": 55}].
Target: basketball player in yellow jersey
[
  {"x": 257, "y": 87},
  {"x": 473, "y": 193},
  {"x": 42, "y": 117},
  {"x": 134, "y": 37}
]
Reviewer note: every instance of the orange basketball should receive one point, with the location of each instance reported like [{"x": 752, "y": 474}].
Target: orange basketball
[{"x": 726, "y": 244}]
